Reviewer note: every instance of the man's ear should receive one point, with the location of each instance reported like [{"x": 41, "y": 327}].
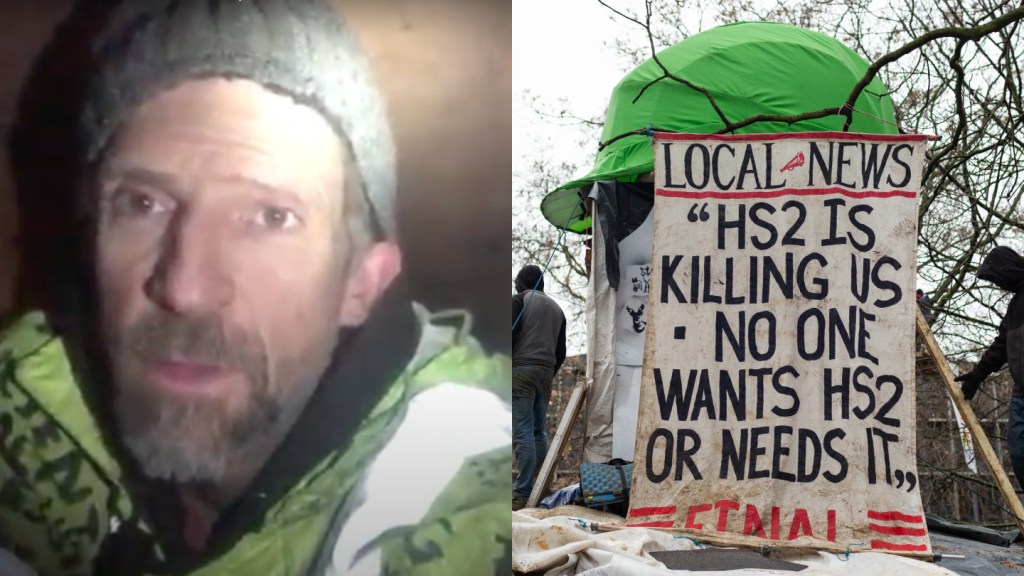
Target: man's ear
[{"x": 371, "y": 275}]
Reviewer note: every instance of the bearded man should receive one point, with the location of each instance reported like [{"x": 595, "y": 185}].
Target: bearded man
[{"x": 246, "y": 388}]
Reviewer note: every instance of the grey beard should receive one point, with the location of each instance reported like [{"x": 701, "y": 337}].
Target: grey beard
[
  {"x": 166, "y": 446},
  {"x": 203, "y": 439},
  {"x": 161, "y": 453}
]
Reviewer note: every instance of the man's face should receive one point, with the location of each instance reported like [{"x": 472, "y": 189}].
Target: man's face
[{"x": 222, "y": 269}]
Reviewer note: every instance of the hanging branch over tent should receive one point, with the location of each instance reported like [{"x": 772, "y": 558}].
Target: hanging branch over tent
[
  {"x": 964, "y": 34},
  {"x": 666, "y": 75},
  {"x": 950, "y": 69}
]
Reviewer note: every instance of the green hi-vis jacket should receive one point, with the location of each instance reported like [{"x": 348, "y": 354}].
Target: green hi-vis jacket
[{"x": 422, "y": 489}]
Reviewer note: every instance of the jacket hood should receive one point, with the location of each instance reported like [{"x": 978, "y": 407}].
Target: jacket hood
[{"x": 1004, "y": 268}]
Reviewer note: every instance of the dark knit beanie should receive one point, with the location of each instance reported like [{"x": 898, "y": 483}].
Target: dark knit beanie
[{"x": 300, "y": 48}]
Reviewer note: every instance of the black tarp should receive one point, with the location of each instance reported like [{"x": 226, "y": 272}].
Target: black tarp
[{"x": 622, "y": 207}]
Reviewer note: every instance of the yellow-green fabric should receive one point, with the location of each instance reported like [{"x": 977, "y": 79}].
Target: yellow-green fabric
[{"x": 61, "y": 491}]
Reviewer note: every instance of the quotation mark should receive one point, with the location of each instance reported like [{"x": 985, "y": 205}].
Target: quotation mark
[
  {"x": 911, "y": 480},
  {"x": 704, "y": 216}
]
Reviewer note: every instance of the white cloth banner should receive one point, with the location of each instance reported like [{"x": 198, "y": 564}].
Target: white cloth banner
[
  {"x": 625, "y": 411},
  {"x": 558, "y": 543},
  {"x": 777, "y": 400}
]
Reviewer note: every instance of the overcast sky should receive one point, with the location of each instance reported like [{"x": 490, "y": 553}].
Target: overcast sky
[{"x": 560, "y": 51}]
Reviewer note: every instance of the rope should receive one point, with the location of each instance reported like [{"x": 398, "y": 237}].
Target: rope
[
  {"x": 544, "y": 271},
  {"x": 846, "y": 555},
  {"x": 766, "y": 550},
  {"x": 694, "y": 540},
  {"x": 650, "y": 130}
]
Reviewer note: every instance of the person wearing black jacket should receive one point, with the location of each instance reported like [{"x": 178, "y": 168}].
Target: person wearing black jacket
[
  {"x": 538, "y": 350},
  {"x": 1005, "y": 268}
]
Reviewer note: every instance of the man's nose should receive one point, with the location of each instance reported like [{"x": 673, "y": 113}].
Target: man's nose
[{"x": 190, "y": 275}]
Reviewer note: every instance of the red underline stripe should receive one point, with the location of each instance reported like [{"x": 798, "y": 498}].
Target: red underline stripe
[
  {"x": 661, "y": 524},
  {"x": 786, "y": 192},
  {"x": 898, "y": 530},
  {"x": 881, "y": 545},
  {"x": 819, "y": 136},
  {"x": 897, "y": 516},
  {"x": 653, "y": 511}
]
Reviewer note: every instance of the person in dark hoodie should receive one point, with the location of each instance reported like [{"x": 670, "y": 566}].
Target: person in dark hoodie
[
  {"x": 538, "y": 350},
  {"x": 1005, "y": 268},
  {"x": 247, "y": 388}
]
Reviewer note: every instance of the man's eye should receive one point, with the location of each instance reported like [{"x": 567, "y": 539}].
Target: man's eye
[
  {"x": 131, "y": 203},
  {"x": 275, "y": 218}
]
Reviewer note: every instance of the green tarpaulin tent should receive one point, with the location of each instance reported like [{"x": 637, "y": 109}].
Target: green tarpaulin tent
[{"x": 750, "y": 68}]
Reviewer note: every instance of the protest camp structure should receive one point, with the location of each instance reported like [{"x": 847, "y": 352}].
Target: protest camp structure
[
  {"x": 750, "y": 69},
  {"x": 745, "y": 411}
]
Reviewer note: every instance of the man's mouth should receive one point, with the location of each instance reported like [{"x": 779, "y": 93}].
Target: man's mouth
[{"x": 187, "y": 375}]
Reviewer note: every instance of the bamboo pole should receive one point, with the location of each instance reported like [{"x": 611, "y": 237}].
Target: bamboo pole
[{"x": 964, "y": 406}]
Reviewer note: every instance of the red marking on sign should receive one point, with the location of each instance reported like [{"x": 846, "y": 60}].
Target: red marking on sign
[
  {"x": 652, "y": 511},
  {"x": 724, "y": 506},
  {"x": 795, "y": 163},
  {"x": 752, "y": 523},
  {"x": 775, "y": 522},
  {"x": 897, "y": 530},
  {"x": 802, "y": 523},
  {"x": 831, "y": 526},
  {"x": 691, "y": 516},
  {"x": 897, "y": 516},
  {"x": 786, "y": 192},
  {"x": 660, "y": 524},
  {"x": 882, "y": 545},
  {"x": 794, "y": 136}
]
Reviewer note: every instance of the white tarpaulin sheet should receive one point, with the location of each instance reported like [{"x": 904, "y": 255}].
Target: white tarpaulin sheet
[
  {"x": 631, "y": 326},
  {"x": 631, "y": 296},
  {"x": 557, "y": 543},
  {"x": 777, "y": 398},
  {"x": 597, "y": 445},
  {"x": 616, "y": 329}
]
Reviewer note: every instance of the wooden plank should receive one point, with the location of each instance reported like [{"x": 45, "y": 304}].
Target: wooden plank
[
  {"x": 558, "y": 443},
  {"x": 981, "y": 442}
]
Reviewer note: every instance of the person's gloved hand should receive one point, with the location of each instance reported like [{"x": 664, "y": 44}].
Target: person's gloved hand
[{"x": 969, "y": 384}]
